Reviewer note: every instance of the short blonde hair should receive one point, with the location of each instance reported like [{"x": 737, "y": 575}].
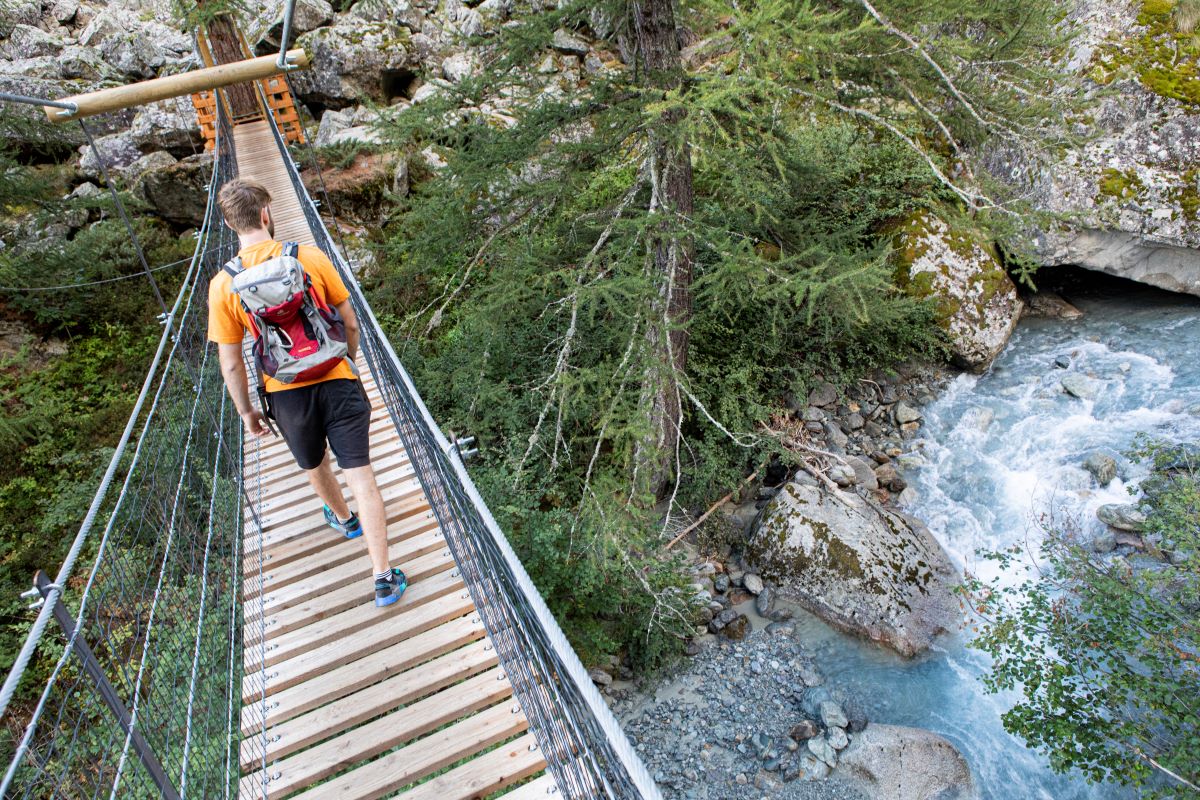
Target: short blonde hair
[{"x": 242, "y": 201}]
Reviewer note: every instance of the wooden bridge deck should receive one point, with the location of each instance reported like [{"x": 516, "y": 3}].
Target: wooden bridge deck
[{"x": 342, "y": 699}]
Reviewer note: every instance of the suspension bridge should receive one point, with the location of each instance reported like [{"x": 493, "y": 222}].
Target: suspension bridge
[{"x": 209, "y": 637}]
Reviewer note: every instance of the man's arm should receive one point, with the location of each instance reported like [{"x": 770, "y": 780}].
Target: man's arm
[
  {"x": 351, "y": 321},
  {"x": 233, "y": 370}
]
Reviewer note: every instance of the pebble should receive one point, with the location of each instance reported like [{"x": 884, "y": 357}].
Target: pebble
[
  {"x": 752, "y": 583},
  {"x": 765, "y": 602}
]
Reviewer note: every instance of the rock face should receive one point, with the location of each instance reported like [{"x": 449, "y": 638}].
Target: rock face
[
  {"x": 863, "y": 569},
  {"x": 978, "y": 305},
  {"x": 907, "y": 764},
  {"x": 1131, "y": 191},
  {"x": 356, "y": 59},
  {"x": 179, "y": 192}
]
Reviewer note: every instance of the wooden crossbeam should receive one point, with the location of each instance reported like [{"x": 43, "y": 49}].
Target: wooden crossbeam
[{"x": 197, "y": 80}]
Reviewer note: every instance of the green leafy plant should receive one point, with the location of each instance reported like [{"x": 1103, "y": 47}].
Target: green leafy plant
[{"x": 1105, "y": 651}]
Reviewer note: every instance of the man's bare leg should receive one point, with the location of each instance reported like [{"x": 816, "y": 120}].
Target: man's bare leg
[
  {"x": 326, "y": 486},
  {"x": 370, "y": 514}
]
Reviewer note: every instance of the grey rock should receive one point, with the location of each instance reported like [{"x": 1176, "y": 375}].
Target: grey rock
[
  {"x": 354, "y": 59},
  {"x": 117, "y": 151},
  {"x": 721, "y": 583},
  {"x": 825, "y": 394},
  {"x": 812, "y": 768},
  {"x": 737, "y": 628},
  {"x": 854, "y": 421},
  {"x": 565, "y": 42},
  {"x": 864, "y": 476},
  {"x": 862, "y": 568},
  {"x": 764, "y": 603},
  {"x": 458, "y": 67},
  {"x": 166, "y": 126},
  {"x": 1122, "y": 516},
  {"x": 960, "y": 268},
  {"x": 752, "y": 583},
  {"x": 1050, "y": 305},
  {"x": 1080, "y": 386},
  {"x": 820, "y": 747},
  {"x": 1102, "y": 465},
  {"x": 178, "y": 191},
  {"x": 307, "y": 15},
  {"x": 905, "y": 413},
  {"x": 600, "y": 677},
  {"x": 27, "y": 41},
  {"x": 1104, "y": 542},
  {"x": 907, "y": 764},
  {"x": 400, "y": 181},
  {"x": 838, "y": 739},
  {"x": 804, "y": 730},
  {"x": 843, "y": 475},
  {"x": 1062, "y": 362},
  {"x": 832, "y": 715}
]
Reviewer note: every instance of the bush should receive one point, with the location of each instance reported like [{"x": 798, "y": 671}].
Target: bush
[{"x": 1105, "y": 652}]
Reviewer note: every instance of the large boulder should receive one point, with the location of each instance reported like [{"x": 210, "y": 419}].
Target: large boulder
[
  {"x": 169, "y": 125},
  {"x": 862, "y": 568},
  {"x": 178, "y": 192},
  {"x": 977, "y": 303},
  {"x": 136, "y": 47},
  {"x": 307, "y": 15},
  {"x": 1128, "y": 196},
  {"x": 352, "y": 62},
  {"x": 113, "y": 153},
  {"x": 906, "y": 764}
]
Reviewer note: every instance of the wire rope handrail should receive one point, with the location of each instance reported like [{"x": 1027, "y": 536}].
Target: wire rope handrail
[{"x": 150, "y": 613}]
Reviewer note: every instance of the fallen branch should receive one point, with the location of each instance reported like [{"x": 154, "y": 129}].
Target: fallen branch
[{"x": 711, "y": 509}]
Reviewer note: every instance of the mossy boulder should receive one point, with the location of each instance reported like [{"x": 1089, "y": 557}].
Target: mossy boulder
[
  {"x": 977, "y": 303},
  {"x": 862, "y": 568}
]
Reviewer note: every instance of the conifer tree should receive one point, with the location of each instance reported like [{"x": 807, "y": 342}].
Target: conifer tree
[{"x": 615, "y": 265}]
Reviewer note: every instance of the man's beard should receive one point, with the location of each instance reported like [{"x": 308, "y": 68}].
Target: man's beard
[{"x": 270, "y": 225}]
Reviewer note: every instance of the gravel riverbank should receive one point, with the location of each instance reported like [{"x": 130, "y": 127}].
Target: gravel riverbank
[{"x": 722, "y": 725}]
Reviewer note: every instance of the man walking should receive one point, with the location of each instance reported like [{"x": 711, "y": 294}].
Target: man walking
[{"x": 311, "y": 409}]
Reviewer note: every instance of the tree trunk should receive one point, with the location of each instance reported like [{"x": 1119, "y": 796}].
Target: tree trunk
[
  {"x": 670, "y": 254},
  {"x": 226, "y": 48}
]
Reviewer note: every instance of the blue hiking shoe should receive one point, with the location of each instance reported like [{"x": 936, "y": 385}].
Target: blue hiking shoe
[
  {"x": 389, "y": 591},
  {"x": 351, "y": 528}
]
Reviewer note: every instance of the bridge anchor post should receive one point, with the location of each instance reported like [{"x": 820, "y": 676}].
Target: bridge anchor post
[{"x": 107, "y": 692}]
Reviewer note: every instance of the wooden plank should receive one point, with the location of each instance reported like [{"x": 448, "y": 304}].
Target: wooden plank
[
  {"x": 281, "y": 595},
  {"x": 403, "y": 725},
  {"x": 335, "y": 551},
  {"x": 484, "y": 775},
  {"x": 330, "y": 720},
  {"x": 390, "y": 628},
  {"x": 346, "y": 597},
  {"x": 405, "y": 512},
  {"x": 424, "y": 757},
  {"x": 344, "y": 623},
  {"x": 543, "y": 788},
  {"x": 393, "y": 498},
  {"x": 305, "y": 502},
  {"x": 348, "y": 678}
]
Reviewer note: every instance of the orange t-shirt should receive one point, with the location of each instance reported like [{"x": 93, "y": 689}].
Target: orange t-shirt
[{"x": 227, "y": 320}]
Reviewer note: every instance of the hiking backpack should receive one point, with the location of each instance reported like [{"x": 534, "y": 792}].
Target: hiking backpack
[{"x": 297, "y": 337}]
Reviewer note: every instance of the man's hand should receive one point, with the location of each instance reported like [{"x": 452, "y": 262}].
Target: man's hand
[{"x": 256, "y": 424}]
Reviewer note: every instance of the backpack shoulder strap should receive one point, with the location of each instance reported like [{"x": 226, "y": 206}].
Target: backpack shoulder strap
[
  {"x": 291, "y": 249},
  {"x": 233, "y": 266}
]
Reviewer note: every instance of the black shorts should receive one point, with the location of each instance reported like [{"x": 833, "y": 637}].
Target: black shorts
[{"x": 336, "y": 410}]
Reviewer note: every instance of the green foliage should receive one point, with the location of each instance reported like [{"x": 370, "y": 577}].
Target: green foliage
[
  {"x": 342, "y": 155},
  {"x": 1105, "y": 650},
  {"x": 519, "y": 284}
]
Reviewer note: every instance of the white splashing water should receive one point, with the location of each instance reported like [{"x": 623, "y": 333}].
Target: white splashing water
[{"x": 999, "y": 452}]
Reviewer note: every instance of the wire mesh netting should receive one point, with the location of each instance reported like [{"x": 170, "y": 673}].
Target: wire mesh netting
[{"x": 155, "y": 600}]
